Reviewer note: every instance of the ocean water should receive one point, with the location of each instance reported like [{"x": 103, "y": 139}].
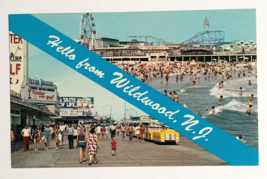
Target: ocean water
[{"x": 231, "y": 115}]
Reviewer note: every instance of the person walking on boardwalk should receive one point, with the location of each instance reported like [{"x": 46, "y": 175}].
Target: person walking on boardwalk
[
  {"x": 92, "y": 146},
  {"x": 98, "y": 131},
  {"x": 75, "y": 134},
  {"x": 142, "y": 132},
  {"x": 123, "y": 128},
  {"x": 81, "y": 138},
  {"x": 130, "y": 130},
  {"x": 26, "y": 134},
  {"x": 118, "y": 130},
  {"x": 137, "y": 132},
  {"x": 62, "y": 131},
  {"x": 113, "y": 146},
  {"x": 57, "y": 133},
  {"x": 70, "y": 132},
  {"x": 36, "y": 137},
  {"x": 112, "y": 129},
  {"x": 47, "y": 134},
  {"x": 103, "y": 131}
]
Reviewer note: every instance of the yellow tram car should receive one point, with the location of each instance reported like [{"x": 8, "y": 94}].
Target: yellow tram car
[{"x": 157, "y": 132}]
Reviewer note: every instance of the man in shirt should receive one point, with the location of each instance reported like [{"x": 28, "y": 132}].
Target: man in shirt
[
  {"x": 62, "y": 129},
  {"x": 112, "y": 129},
  {"x": 26, "y": 134}
]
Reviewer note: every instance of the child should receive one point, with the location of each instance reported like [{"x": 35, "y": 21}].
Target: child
[{"x": 113, "y": 146}]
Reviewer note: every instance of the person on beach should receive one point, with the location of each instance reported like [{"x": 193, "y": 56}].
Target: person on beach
[
  {"x": 113, "y": 147},
  {"x": 130, "y": 130},
  {"x": 250, "y": 99},
  {"x": 165, "y": 92},
  {"x": 36, "y": 137},
  {"x": 123, "y": 128},
  {"x": 241, "y": 139},
  {"x": 213, "y": 109},
  {"x": 47, "y": 134},
  {"x": 26, "y": 134},
  {"x": 220, "y": 100},
  {"x": 170, "y": 95},
  {"x": 81, "y": 139},
  {"x": 175, "y": 96},
  {"x": 240, "y": 91},
  {"x": 221, "y": 84},
  {"x": 92, "y": 146},
  {"x": 248, "y": 112}
]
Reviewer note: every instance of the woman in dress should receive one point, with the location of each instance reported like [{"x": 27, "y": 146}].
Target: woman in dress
[
  {"x": 36, "y": 137},
  {"x": 92, "y": 145}
]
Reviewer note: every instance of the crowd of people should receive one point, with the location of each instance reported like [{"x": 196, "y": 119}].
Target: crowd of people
[
  {"x": 82, "y": 136},
  {"x": 218, "y": 71}
]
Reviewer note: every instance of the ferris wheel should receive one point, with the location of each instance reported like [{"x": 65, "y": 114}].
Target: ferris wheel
[{"x": 88, "y": 31}]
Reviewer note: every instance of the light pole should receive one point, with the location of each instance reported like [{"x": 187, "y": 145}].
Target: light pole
[{"x": 110, "y": 111}]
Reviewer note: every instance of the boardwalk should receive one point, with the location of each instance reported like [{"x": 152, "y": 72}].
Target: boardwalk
[{"x": 128, "y": 154}]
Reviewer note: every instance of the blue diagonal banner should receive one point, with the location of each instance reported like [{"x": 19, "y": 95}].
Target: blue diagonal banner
[{"x": 134, "y": 91}]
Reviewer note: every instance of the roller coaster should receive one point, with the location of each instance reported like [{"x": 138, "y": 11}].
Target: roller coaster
[
  {"x": 152, "y": 40},
  {"x": 206, "y": 37}
]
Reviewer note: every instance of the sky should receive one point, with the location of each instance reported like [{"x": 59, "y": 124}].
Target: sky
[{"x": 172, "y": 26}]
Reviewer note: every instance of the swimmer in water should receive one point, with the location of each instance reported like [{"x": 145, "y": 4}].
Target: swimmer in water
[
  {"x": 248, "y": 112},
  {"x": 244, "y": 74},
  {"x": 251, "y": 99},
  {"x": 207, "y": 111},
  {"x": 249, "y": 82},
  {"x": 170, "y": 95},
  {"x": 222, "y": 84},
  {"x": 165, "y": 92},
  {"x": 241, "y": 139},
  {"x": 240, "y": 91},
  {"x": 219, "y": 85},
  {"x": 213, "y": 110},
  {"x": 220, "y": 100},
  {"x": 199, "y": 113}
]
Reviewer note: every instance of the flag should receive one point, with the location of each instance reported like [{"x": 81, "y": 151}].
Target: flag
[{"x": 206, "y": 22}]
